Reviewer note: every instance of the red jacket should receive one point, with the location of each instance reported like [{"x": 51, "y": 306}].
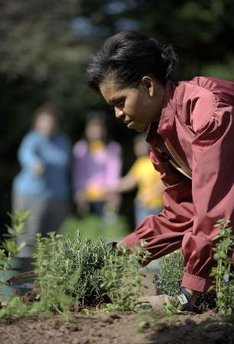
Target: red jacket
[{"x": 197, "y": 168}]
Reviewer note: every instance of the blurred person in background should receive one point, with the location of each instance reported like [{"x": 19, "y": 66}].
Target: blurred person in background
[
  {"x": 146, "y": 179},
  {"x": 43, "y": 183},
  {"x": 96, "y": 165},
  {"x": 190, "y": 130}
]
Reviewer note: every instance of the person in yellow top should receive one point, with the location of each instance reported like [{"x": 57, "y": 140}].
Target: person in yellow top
[{"x": 142, "y": 175}]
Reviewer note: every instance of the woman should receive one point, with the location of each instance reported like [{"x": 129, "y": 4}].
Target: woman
[
  {"x": 190, "y": 130},
  {"x": 43, "y": 183},
  {"x": 96, "y": 165}
]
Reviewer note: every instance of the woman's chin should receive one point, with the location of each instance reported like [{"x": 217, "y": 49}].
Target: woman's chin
[{"x": 139, "y": 127}]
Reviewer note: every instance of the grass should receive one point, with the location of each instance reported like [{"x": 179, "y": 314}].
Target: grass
[{"x": 94, "y": 228}]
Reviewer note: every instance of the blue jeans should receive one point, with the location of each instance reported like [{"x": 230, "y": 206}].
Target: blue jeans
[{"x": 45, "y": 216}]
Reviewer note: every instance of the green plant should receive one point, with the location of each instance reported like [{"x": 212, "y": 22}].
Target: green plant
[
  {"x": 171, "y": 271},
  {"x": 85, "y": 272},
  {"x": 122, "y": 279},
  {"x": 74, "y": 272},
  {"x": 9, "y": 248},
  {"x": 66, "y": 270},
  {"x": 222, "y": 272},
  {"x": 15, "y": 309}
]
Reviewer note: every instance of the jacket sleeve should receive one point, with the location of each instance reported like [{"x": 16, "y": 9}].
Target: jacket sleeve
[{"x": 212, "y": 192}]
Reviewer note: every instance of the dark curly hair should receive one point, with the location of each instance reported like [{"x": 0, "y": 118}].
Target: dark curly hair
[{"x": 129, "y": 56}]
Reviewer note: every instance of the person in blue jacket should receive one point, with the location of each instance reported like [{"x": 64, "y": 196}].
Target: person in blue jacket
[{"x": 43, "y": 184}]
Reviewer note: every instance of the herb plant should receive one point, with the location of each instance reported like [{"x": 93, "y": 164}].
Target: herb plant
[
  {"x": 9, "y": 248},
  {"x": 223, "y": 271},
  {"x": 66, "y": 271},
  {"x": 122, "y": 279},
  {"x": 74, "y": 273},
  {"x": 171, "y": 272}
]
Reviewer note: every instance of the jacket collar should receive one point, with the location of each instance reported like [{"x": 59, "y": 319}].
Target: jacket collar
[{"x": 167, "y": 114}]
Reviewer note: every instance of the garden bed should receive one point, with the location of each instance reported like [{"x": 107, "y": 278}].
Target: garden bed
[
  {"x": 119, "y": 328},
  {"x": 86, "y": 292}
]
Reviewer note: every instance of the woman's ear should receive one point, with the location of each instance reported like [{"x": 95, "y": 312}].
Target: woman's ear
[{"x": 149, "y": 84}]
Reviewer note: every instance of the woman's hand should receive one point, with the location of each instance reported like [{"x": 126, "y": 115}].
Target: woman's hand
[{"x": 38, "y": 169}]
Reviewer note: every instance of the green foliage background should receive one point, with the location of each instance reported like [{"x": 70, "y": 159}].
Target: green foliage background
[{"x": 45, "y": 46}]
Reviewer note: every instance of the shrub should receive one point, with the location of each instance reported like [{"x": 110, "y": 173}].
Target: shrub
[
  {"x": 223, "y": 273},
  {"x": 9, "y": 248},
  {"x": 122, "y": 279},
  {"x": 68, "y": 266},
  {"x": 71, "y": 272},
  {"x": 86, "y": 271},
  {"x": 171, "y": 272}
]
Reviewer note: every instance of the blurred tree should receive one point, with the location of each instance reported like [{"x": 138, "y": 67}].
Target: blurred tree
[{"x": 200, "y": 30}]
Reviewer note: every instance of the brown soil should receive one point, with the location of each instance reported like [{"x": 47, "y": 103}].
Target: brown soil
[{"x": 120, "y": 328}]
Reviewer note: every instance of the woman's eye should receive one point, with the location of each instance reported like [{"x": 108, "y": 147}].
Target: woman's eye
[{"x": 119, "y": 103}]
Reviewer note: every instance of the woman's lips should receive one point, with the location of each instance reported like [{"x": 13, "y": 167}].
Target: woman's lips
[{"x": 130, "y": 124}]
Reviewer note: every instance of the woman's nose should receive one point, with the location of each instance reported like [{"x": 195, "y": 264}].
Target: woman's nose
[{"x": 119, "y": 113}]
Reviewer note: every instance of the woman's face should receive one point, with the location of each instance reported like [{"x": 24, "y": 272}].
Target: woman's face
[
  {"x": 95, "y": 130},
  {"x": 135, "y": 107},
  {"x": 45, "y": 124}
]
